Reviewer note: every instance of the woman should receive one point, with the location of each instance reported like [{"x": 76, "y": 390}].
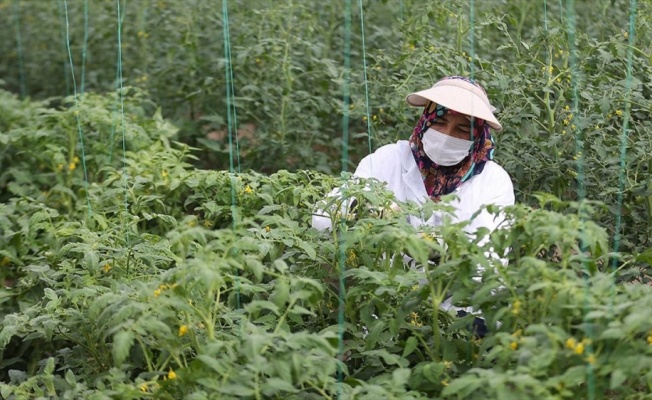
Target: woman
[{"x": 450, "y": 151}]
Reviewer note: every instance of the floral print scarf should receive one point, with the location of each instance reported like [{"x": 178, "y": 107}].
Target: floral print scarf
[{"x": 441, "y": 180}]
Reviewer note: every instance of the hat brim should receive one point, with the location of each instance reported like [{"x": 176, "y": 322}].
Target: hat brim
[{"x": 458, "y": 99}]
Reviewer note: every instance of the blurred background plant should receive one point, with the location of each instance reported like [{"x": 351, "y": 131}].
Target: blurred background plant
[{"x": 287, "y": 58}]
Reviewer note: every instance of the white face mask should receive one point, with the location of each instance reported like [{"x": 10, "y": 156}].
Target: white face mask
[{"x": 443, "y": 149}]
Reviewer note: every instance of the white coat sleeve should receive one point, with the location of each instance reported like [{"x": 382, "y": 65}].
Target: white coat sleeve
[{"x": 500, "y": 193}]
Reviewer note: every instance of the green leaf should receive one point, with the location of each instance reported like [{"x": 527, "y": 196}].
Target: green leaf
[
  {"x": 281, "y": 293},
  {"x": 258, "y": 305},
  {"x": 400, "y": 376},
  {"x": 212, "y": 363},
  {"x": 433, "y": 371},
  {"x": 463, "y": 386},
  {"x": 269, "y": 209},
  {"x": 310, "y": 250},
  {"x": 410, "y": 346},
  {"x": 122, "y": 342},
  {"x": 6, "y": 390},
  {"x": 49, "y": 366},
  {"x": 388, "y": 358},
  {"x": 70, "y": 377},
  {"x": 237, "y": 390},
  {"x": 617, "y": 379},
  {"x": 275, "y": 385},
  {"x": 575, "y": 375}
]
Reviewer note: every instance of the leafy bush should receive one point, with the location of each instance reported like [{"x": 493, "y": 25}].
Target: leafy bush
[
  {"x": 131, "y": 271},
  {"x": 182, "y": 282},
  {"x": 288, "y": 63}
]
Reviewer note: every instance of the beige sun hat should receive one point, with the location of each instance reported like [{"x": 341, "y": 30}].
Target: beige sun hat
[{"x": 459, "y": 94}]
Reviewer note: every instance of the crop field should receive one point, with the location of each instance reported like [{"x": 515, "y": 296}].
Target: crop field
[{"x": 161, "y": 161}]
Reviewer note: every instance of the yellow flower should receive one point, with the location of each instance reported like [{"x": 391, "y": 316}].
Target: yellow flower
[
  {"x": 412, "y": 47},
  {"x": 566, "y": 108},
  {"x": 208, "y": 223},
  {"x": 444, "y": 382},
  {"x": 414, "y": 320},
  {"x": 157, "y": 292},
  {"x": 563, "y": 133},
  {"x": 573, "y": 127},
  {"x": 626, "y": 35},
  {"x": 579, "y": 349},
  {"x": 571, "y": 343},
  {"x": 591, "y": 359},
  {"x": 448, "y": 364},
  {"x": 558, "y": 80},
  {"x": 107, "y": 267},
  {"x": 183, "y": 330},
  {"x": 513, "y": 345},
  {"x": 72, "y": 166},
  {"x": 649, "y": 340},
  {"x": 351, "y": 257},
  {"x": 143, "y": 387},
  {"x": 619, "y": 113},
  {"x": 75, "y": 160},
  {"x": 268, "y": 229},
  {"x": 164, "y": 173},
  {"x": 171, "y": 375},
  {"x": 516, "y": 307},
  {"x": 248, "y": 189}
]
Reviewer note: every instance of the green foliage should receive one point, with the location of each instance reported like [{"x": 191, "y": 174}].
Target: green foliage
[
  {"x": 130, "y": 272},
  {"x": 182, "y": 282},
  {"x": 288, "y": 60}
]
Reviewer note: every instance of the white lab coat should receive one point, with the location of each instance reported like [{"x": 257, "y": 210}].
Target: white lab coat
[{"x": 394, "y": 164}]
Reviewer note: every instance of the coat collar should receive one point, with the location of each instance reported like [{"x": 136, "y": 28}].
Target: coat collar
[{"x": 411, "y": 174}]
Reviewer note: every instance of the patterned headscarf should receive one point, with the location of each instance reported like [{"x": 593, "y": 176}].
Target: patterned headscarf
[{"x": 438, "y": 179}]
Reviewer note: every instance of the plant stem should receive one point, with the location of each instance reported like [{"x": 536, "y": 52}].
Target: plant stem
[{"x": 150, "y": 366}]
